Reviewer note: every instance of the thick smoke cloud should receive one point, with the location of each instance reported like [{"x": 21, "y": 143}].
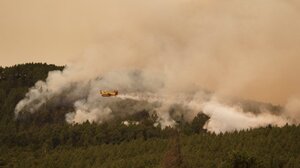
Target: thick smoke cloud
[
  {"x": 167, "y": 52},
  {"x": 225, "y": 118}
]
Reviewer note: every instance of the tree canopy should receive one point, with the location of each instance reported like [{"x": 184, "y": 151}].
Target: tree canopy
[{"x": 44, "y": 139}]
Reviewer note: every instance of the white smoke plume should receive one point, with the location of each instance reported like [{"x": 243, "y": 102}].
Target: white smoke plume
[
  {"x": 163, "y": 53},
  {"x": 292, "y": 110},
  {"x": 90, "y": 106},
  {"x": 225, "y": 118}
]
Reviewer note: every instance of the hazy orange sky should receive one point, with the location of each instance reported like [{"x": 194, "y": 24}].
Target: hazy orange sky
[
  {"x": 251, "y": 45},
  {"x": 51, "y": 31}
]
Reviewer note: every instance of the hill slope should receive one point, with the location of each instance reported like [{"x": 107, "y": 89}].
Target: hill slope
[{"x": 44, "y": 139}]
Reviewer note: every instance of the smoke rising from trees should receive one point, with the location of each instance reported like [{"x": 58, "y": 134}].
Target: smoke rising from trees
[{"x": 166, "y": 49}]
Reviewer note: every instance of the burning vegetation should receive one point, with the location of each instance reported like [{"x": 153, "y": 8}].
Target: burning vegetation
[{"x": 143, "y": 142}]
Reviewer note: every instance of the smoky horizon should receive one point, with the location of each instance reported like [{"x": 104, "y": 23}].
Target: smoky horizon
[{"x": 246, "y": 49}]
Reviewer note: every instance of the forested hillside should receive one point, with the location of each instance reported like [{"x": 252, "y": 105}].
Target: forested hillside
[
  {"x": 14, "y": 83},
  {"x": 44, "y": 139}
]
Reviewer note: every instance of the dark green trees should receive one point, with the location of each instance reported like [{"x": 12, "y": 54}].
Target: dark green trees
[
  {"x": 45, "y": 140},
  {"x": 242, "y": 160}
]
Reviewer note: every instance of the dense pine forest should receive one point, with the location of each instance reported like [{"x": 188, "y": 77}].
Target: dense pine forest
[{"x": 44, "y": 139}]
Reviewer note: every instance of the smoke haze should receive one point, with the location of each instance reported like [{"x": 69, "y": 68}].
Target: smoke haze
[{"x": 246, "y": 49}]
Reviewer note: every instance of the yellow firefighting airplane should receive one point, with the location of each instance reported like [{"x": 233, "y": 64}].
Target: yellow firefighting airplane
[{"x": 108, "y": 93}]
